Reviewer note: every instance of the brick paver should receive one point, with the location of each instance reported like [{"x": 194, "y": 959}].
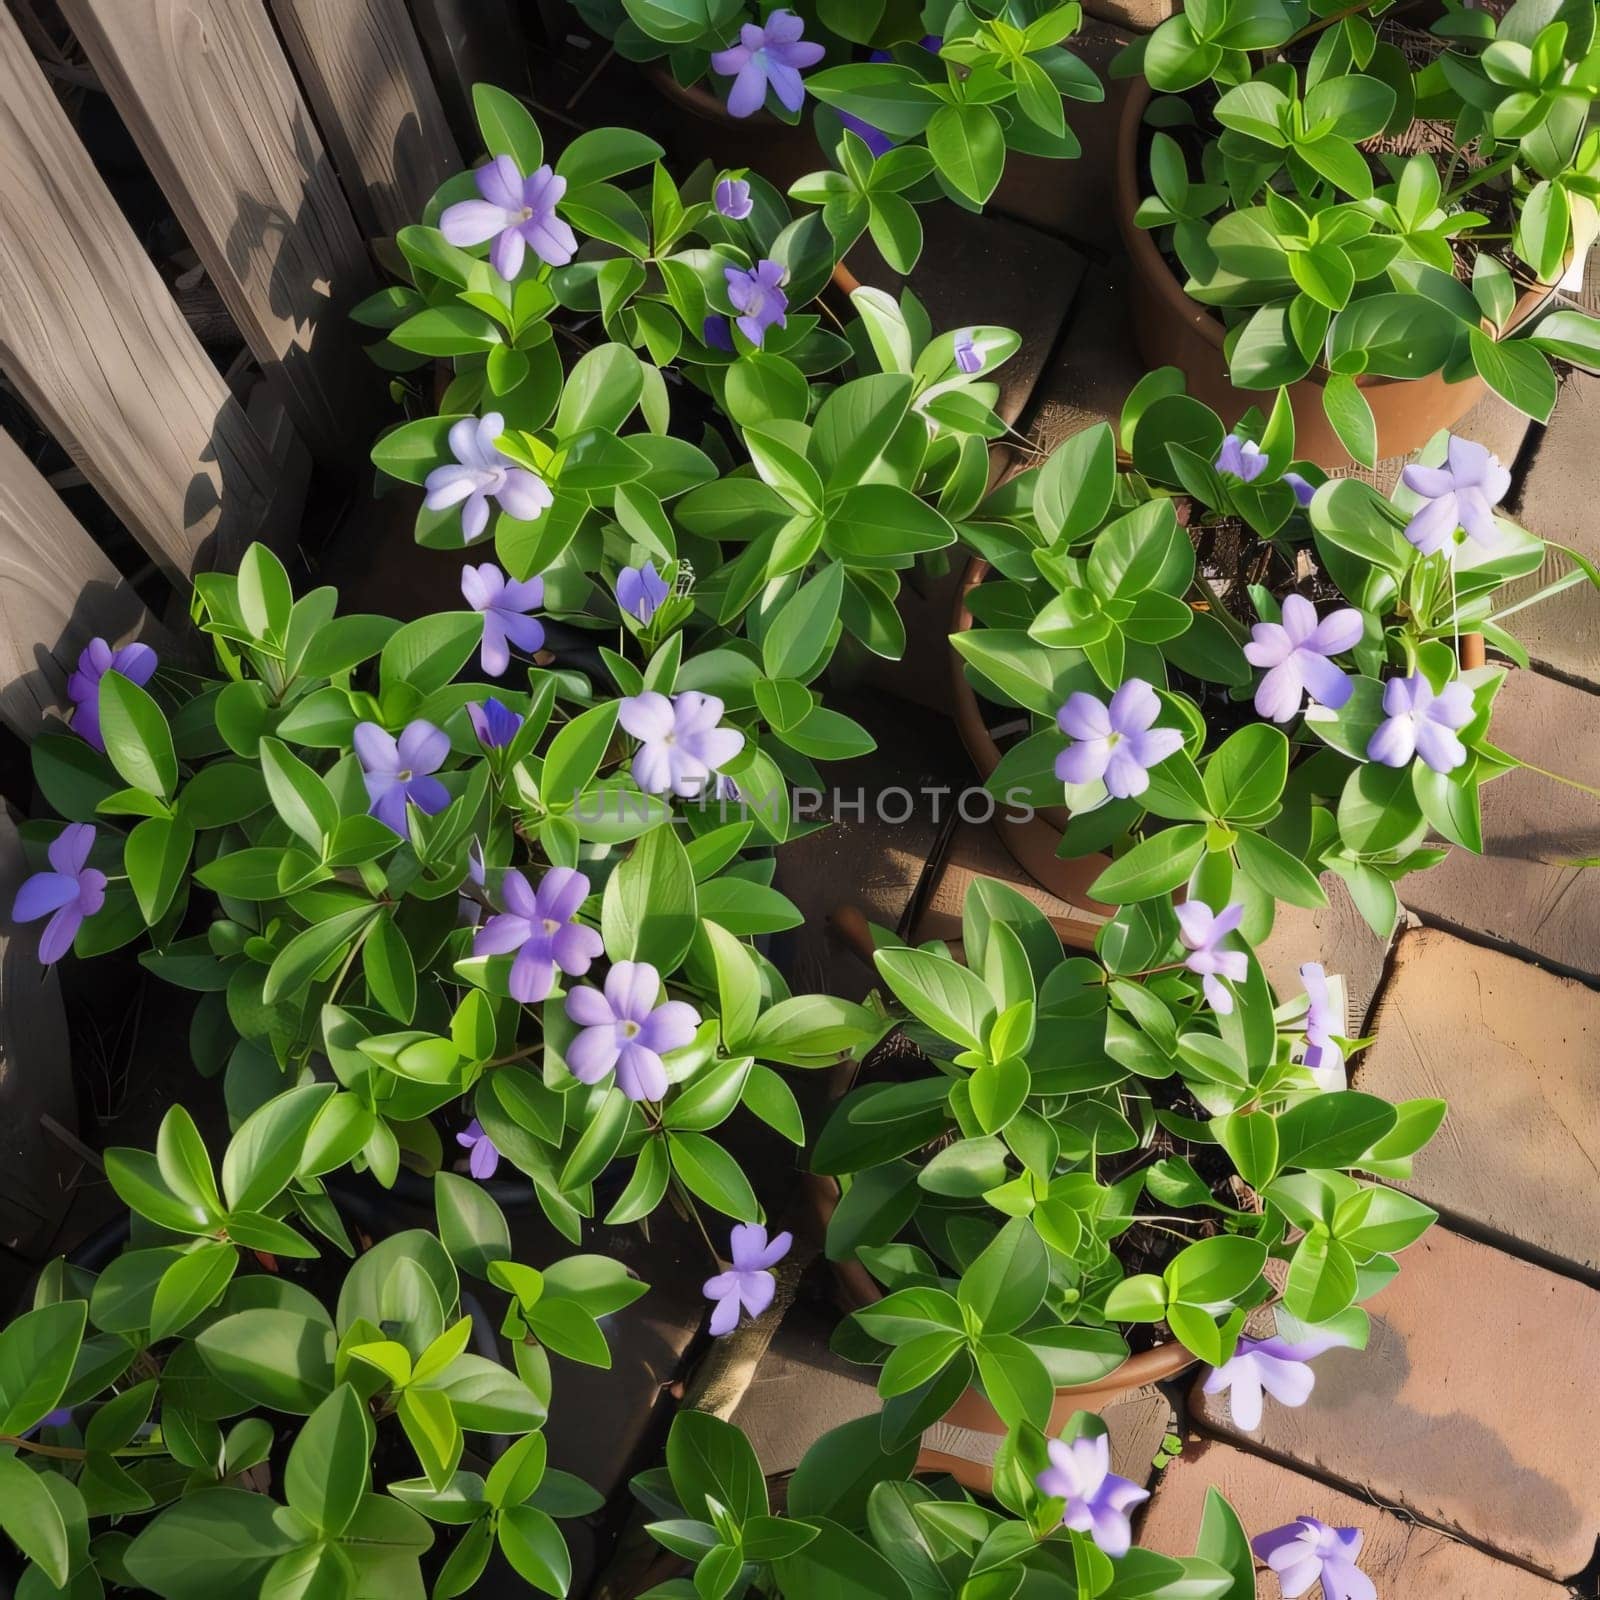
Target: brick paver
[
  {"x": 1471, "y": 1408},
  {"x": 1405, "y": 1560},
  {"x": 1513, "y": 1049}
]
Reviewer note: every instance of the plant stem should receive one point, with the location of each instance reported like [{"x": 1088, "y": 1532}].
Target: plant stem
[
  {"x": 694, "y": 1211},
  {"x": 1556, "y": 777},
  {"x": 1218, "y": 610},
  {"x": 1325, "y": 22}
]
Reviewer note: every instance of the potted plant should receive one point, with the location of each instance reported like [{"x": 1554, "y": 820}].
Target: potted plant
[{"x": 1369, "y": 207}]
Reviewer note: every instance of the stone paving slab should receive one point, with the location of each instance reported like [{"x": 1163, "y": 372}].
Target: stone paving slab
[
  {"x": 1472, "y": 1407},
  {"x": 1519, "y": 893},
  {"x": 1405, "y": 1560},
  {"x": 1515, "y": 1051}
]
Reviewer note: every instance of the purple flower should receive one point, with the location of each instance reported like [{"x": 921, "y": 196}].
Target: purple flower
[
  {"x": 1097, "y": 1500},
  {"x": 1462, "y": 494},
  {"x": 517, "y": 213},
  {"x": 504, "y": 606},
  {"x": 640, "y": 591},
  {"x": 68, "y": 894},
  {"x": 1422, "y": 723},
  {"x": 875, "y": 139},
  {"x": 1308, "y": 1550},
  {"x": 476, "y": 870},
  {"x": 1296, "y": 654},
  {"x": 1242, "y": 458},
  {"x": 539, "y": 926},
  {"x": 495, "y": 725},
  {"x": 624, "y": 1029},
  {"x": 1278, "y": 1366},
  {"x": 750, "y": 1282},
  {"x": 1117, "y": 742},
  {"x": 136, "y": 662},
  {"x": 395, "y": 772},
  {"x": 481, "y": 473},
  {"x": 1202, "y": 931},
  {"x": 756, "y": 293},
  {"x": 58, "y": 1418},
  {"x": 1304, "y": 490},
  {"x": 680, "y": 744},
  {"x": 485, "y": 1155},
  {"x": 733, "y": 199},
  {"x": 773, "y": 55},
  {"x": 1324, "y": 1059},
  {"x": 968, "y": 357},
  {"x": 717, "y": 334}
]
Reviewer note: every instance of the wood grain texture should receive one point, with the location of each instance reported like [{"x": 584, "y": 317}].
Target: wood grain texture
[
  {"x": 209, "y": 98},
  {"x": 92, "y": 339},
  {"x": 474, "y": 41},
  {"x": 368, "y": 83},
  {"x": 57, "y": 592}
]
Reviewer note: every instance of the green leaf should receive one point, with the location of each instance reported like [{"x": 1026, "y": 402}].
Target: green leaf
[
  {"x": 507, "y": 127},
  {"x": 1246, "y": 775},
  {"x": 799, "y": 639},
  {"x": 299, "y": 794},
  {"x": 299, "y": 961},
  {"x": 968, "y": 148},
  {"x": 1514, "y": 369},
  {"x": 941, "y": 993},
  {"x": 274, "y": 1358},
  {"x": 387, "y": 966},
  {"x": 265, "y": 1153},
  {"x": 429, "y": 652},
  {"x": 211, "y": 1543},
  {"x": 710, "y": 1459},
  {"x": 32, "y": 1518},
  {"x": 192, "y": 1283},
  {"x": 471, "y": 1226},
  {"x": 1005, "y": 1285},
  {"x": 1155, "y": 867},
  {"x": 1224, "y": 1542},
  {"x": 137, "y": 737},
  {"x": 155, "y": 857},
  {"x": 649, "y": 911},
  {"x": 533, "y": 1544},
  {"x": 576, "y": 752},
  {"x": 1351, "y": 417},
  {"x": 37, "y": 1352},
  {"x": 328, "y": 1467},
  {"x": 710, "y": 1173}
]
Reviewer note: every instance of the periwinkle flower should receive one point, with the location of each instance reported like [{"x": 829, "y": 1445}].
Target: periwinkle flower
[
  {"x": 875, "y": 139},
  {"x": 626, "y": 1031},
  {"x": 1279, "y": 1367},
  {"x": 641, "y": 590},
  {"x": 1420, "y": 722},
  {"x": 680, "y": 743},
  {"x": 1202, "y": 932},
  {"x": 135, "y": 662},
  {"x": 1305, "y": 491},
  {"x": 59, "y": 1418},
  {"x": 757, "y": 294},
  {"x": 538, "y": 924},
  {"x": 496, "y": 725},
  {"x": 749, "y": 1282},
  {"x": 505, "y": 606},
  {"x": 485, "y": 1157},
  {"x": 397, "y": 771},
  {"x": 1307, "y": 1550},
  {"x": 716, "y": 333},
  {"x": 69, "y": 893},
  {"x": 1296, "y": 654},
  {"x": 481, "y": 472},
  {"x": 1241, "y": 458},
  {"x": 732, "y": 199},
  {"x": 1461, "y": 494},
  {"x": 1097, "y": 1500},
  {"x": 1324, "y": 1058},
  {"x": 518, "y": 213},
  {"x": 772, "y": 54},
  {"x": 968, "y": 357},
  {"x": 1115, "y": 742}
]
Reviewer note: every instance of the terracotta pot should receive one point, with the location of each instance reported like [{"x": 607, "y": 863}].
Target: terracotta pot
[
  {"x": 779, "y": 151},
  {"x": 1173, "y": 330},
  {"x": 1032, "y": 843}
]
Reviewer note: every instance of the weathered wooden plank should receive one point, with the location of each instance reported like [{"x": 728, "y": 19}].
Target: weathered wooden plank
[
  {"x": 473, "y": 41},
  {"x": 57, "y": 592},
  {"x": 209, "y": 98},
  {"x": 367, "y": 79},
  {"x": 92, "y": 339}
]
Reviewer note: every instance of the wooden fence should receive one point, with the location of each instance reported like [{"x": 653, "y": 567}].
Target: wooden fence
[{"x": 287, "y": 136}]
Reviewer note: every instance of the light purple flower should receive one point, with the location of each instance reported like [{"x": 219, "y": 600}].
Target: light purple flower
[
  {"x": 1280, "y": 1367},
  {"x": 1097, "y": 1500},
  {"x": 495, "y": 725},
  {"x": 1305, "y": 491},
  {"x": 1242, "y": 458},
  {"x": 680, "y": 744},
  {"x": 626, "y": 1031},
  {"x": 756, "y": 293},
  {"x": 640, "y": 591},
  {"x": 875, "y": 139},
  {"x": 1422, "y": 723},
  {"x": 749, "y": 1283},
  {"x": 539, "y": 926},
  {"x": 775, "y": 55},
  {"x": 504, "y": 606},
  {"x": 485, "y": 1155},
  {"x": 968, "y": 357},
  {"x": 1202, "y": 931},
  {"x": 1461, "y": 494},
  {"x": 71, "y": 892},
  {"x": 481, "y": 473},
  {"x": 397, "y": 771},
  {"x": 135, "y": 662},
  {"x": 733, "y": 199},
  {"x": 1324, "y": 1058},
  {"x": 477, "y": 871},
  {"x": 517, "y": 213},
  {"x": 1307, "y": 1550},
  {"x": 717, "y": 334},
  {"x": 1117, "y": 742},
  {"x": 1296, "y": 653}
]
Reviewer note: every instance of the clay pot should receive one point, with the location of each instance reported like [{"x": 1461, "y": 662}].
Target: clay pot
[{"x": 1173, "y": 330}]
